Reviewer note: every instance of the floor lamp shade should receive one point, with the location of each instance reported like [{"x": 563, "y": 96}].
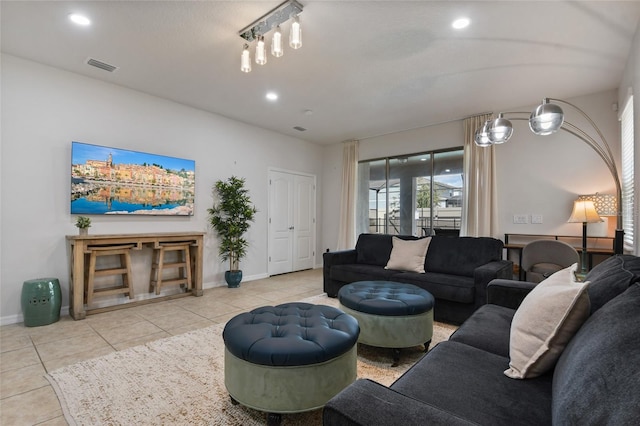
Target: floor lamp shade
[{"x": 584, "y": 212}]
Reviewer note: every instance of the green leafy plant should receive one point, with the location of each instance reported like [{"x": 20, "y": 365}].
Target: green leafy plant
[
  {"x": 231, "y": 216},
  {"x": 83, "y": 222}
]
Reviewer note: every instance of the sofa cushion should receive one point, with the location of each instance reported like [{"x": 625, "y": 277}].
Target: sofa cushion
[
  {"x": 610, "y": 278},
  {"x": 461, "y": 256},
  {"x": 441, "y": 286},
  {"x": 468, "y": 381},
  {"x": 357, "y": 272},
  {"x": 545, "y": 322},
  {"x": 375, "y": 249},
  {"x": 596, "y": 378},
  {"x": 408, "y": 255},
  {"x": 487, "y": 329}
]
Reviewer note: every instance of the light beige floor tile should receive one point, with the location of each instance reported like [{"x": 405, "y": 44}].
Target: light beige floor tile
[
  {"x": 60, "y": 330},
  {"x": 54, "y": 364},
  {"x": 128, "y": 332},
  {"x": 156, "y": 310},
  {"x": 30, "y": 408},
  {"x": 176, "y": 319},
  {"x": 18, "y": 358},
  {"x": 13, "y": 330},
  {"x": 70, "y": 346},
  {"x": 192, "y": 326},
  {"x": 58, "y": 421},
  {"x": 141, "y": 340},
  {"x": 13, "y": 342},
  {"x": 119, "y": 318},
  {"x": 22, "y": 380}
]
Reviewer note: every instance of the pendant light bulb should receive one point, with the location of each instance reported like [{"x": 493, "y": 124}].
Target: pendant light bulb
[
  {"x": 245, "y": 59},
  {"x": 276, "y": 43},
  {"x": 295, "y": 35},
  {"x": 261, "y": 53}
]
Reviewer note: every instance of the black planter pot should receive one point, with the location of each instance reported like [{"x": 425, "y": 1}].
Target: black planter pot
[{"x": 233, "y": 278}]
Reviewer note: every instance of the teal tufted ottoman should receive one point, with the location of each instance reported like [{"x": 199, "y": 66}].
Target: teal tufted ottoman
[
  {"x": 289, "y": 358},
  {"x": 391, "y": 315}
]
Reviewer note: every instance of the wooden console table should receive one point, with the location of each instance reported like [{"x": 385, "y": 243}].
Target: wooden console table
[{"x": 78, "y": 245}]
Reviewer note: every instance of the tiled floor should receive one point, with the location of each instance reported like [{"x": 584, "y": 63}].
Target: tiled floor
[{"x": 27, "y": 353}]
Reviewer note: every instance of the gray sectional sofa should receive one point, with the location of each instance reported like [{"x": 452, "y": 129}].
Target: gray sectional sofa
[
  {"x": 457, "y": 270},
  {"x": 595, "y": 380}
]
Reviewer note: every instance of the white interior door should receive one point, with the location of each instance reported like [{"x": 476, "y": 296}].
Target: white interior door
[
  {"x": 291, "y": 222},
  {"x": 304, "y": 222}
]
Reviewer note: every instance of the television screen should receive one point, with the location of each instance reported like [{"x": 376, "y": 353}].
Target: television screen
[{"x": 108, "y": 180}]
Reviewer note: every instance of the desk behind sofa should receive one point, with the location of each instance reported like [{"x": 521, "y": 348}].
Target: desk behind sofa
[{"x": 602, "y": 246}]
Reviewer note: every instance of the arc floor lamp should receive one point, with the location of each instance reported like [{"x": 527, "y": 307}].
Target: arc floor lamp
[{"x": 546, "y": 119}]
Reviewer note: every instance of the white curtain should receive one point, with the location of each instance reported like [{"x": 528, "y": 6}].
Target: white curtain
[
  {"x": 480, "y": 206},
  {"x": 347, "y": 228}
]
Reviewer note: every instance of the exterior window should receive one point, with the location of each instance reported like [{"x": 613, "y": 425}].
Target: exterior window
[
  {"x": 628, "y": 201},
  {"x": 417, "y": 194}
]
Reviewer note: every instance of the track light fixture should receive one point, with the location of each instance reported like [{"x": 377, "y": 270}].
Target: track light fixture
[{"x": 271, "y": 21}]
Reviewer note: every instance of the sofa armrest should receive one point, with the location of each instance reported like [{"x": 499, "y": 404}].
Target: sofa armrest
[
  {"x": 482, "y": 275},
  {"x": 367, "y": 403},
  {"x": 330, "y": 258},
  {"x": 508, "y": 293}
]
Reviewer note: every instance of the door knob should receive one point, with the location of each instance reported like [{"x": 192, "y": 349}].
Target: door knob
[{"x": 291, "y": 228}]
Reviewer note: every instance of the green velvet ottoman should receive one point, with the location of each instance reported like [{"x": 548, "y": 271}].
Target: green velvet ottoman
[
  {"x": 391, "y": 315},
  {"x": 289, "y": 358}
]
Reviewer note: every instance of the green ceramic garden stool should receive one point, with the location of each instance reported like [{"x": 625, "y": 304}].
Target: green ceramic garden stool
[{"x": 41, "y": 301}]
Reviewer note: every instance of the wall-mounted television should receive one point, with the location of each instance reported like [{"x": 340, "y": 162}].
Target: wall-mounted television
[{"x": 107, "y": 180}]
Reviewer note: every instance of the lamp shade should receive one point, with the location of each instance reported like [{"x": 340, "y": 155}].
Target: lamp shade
[
  {"x": 584, "y": 212},
  {"x": 500, "y": 130},
  {"x": 546, "y": 119}
]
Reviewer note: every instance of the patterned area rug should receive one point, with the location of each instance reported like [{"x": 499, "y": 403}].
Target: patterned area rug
[{"x": 180, "y": 381}]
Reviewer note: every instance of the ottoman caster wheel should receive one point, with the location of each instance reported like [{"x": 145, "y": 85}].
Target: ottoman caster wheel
[
  {"x": 274, "y": 419},
  {"x": 426, "y": 346},
  {"x": 396, "y": 357},
  {"x": 233, "y": 401}
]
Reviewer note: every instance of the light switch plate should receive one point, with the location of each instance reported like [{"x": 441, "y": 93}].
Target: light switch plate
[
  {"x": 520, "y": 218},
  {"x": 536, "y": 218}
]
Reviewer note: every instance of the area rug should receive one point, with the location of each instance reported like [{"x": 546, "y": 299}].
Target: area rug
[{"x": 179, "y": 380}]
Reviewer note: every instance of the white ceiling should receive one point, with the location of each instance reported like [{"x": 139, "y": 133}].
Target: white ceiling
[{"x": 366, "y": 68}]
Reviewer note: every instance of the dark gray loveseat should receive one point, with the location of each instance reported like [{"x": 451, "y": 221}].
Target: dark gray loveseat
[
  {"x": 457, "y": 270},
  {"x": 461, "y": 381}
]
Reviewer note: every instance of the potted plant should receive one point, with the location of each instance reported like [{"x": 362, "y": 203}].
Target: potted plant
[
  {"x": 83, "y": 223},
  {"x": 230, "y": 217}
]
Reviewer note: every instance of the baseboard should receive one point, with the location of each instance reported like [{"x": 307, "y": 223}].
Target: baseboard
[{"x": 18, "y": 318}]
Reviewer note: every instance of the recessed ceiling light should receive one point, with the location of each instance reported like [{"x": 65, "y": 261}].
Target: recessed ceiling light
[
  {"x": 272, "y": 96},
  {"x": 79, "y": 19},
  {"x": 461, "y": 23}
]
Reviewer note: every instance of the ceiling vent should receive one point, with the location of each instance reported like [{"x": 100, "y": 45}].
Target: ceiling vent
[
  {"x": 102, "y": 65},
  {"x": 300, "y": 129}
]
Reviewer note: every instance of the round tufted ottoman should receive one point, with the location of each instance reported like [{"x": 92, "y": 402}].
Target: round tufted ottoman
[
  {"x": 391, "y": 315},
  {"x": 289, "y": 358}
]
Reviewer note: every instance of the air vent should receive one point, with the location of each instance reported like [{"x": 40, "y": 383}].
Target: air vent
[
  {"x": 300, "y": 129},
  {"x": 102, "y": 65}
]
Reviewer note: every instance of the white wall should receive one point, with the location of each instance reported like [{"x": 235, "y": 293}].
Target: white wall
[
  {"x": 44, "y": 109},
  {"x": 536, "y": 174}
]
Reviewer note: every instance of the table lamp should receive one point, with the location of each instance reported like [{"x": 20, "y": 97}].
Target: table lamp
[{"x": 584, "y": 212}]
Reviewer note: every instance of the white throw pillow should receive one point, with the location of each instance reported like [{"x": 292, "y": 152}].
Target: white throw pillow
[
  {"x": 408, "y": 255},
  {"x": 545, "y": 322}
]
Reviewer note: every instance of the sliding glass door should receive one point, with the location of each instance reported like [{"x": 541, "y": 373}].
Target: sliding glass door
[{"x": 417, "y": 194}]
